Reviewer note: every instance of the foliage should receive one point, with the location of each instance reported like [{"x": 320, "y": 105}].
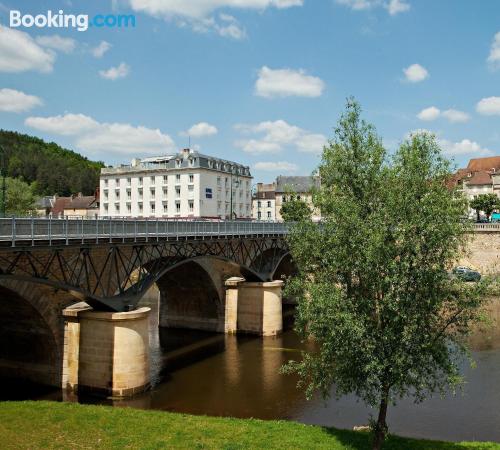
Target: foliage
[
  {"x": 486, "y": 203},
  {"x": 373, "y": 287},
  {"x": 52, "y": 169},
  {"x": 294, "y": 209},
  {"x": 51, "y": 425},
  {"x": 20, "y": 199}
]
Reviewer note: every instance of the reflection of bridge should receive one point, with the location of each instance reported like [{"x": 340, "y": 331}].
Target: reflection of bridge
[{"x": 210, "y": 275}]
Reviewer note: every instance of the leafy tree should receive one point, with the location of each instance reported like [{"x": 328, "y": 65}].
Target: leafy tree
[
  {"x": 486, "y": 203},
  {"x": 294, "y": 210},
  {"x": 373, "y": 290},
  {"x": 20, "y": 200}
]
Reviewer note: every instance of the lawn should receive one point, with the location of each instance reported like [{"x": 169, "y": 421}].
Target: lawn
[{"x": 53, "y": 425}]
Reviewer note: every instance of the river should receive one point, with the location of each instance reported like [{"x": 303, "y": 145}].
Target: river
[{"x": 213, "y": 374}]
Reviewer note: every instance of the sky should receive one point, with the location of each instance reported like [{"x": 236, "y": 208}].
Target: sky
[{"x": 259, "y": 82}]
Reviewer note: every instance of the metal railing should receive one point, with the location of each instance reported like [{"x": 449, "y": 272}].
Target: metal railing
[
  {"x": 35, "y": 231},
  {"x": 487, "y": 227}
]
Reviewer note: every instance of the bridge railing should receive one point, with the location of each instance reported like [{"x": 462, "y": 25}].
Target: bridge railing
[{"x": 33, "y": 231}]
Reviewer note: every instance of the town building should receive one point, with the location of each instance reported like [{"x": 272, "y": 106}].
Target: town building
[
  {"x": 301, "y": 187},
  {"x": 77, "y": 205},
  {"x": 264, "y": 202},
  {"x": 184, "y": 185}
]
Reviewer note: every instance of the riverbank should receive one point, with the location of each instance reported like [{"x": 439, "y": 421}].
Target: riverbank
[{"x": 52, "y": 425}]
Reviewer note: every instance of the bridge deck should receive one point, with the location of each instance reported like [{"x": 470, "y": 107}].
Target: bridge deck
[{"x": 31, "y": 232}]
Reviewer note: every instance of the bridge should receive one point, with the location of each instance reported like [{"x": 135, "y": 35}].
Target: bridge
[{"x": 70, "y": 292}]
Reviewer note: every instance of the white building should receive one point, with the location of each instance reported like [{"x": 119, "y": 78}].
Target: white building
[
  {"x": 185, "y": 185},
  {"x": 264, "y": 202}
]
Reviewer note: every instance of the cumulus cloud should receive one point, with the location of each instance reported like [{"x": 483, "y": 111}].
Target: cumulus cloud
[
  {"x": 277, "y": 135},
  {"x": 452, "y": 115},
  {"x": 286, "y": 83},
  {"x": 279, "y": 166},
  {"x": 489, "y": 106},
  {"x": 114, "y": 73},
  {"x": 415, "y": 73},
  {"x": 464, "y": 147},
  {"x": 17, "y": 101},
  {"x": 101, "y": 49},
  {"x": 494, "y": 56},
  {"x": 19, "y": 52},
  {"x": 201, "y": 129},
  {"x": 393, "y": 7},
  {"x": 199, "y": 14},
  {"x": 96, "y": 137},
  {"x": 56, "y": 42}
]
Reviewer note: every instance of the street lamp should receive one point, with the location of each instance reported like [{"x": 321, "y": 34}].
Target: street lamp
[
  {"x": 237, "y": 181},
  {"x": 3, "y": 174}
]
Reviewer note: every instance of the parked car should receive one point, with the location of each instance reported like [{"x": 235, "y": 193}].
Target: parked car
[{"x": 466, "y": 273}]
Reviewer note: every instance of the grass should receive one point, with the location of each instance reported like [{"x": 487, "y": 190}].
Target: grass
[{"x": 51, "y": 425}]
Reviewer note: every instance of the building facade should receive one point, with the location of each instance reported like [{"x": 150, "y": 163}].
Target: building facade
[
  {"x": 264, "y": 202},
  {"x": 185, "y": 185},
  {"x": 301, "y": 187}
]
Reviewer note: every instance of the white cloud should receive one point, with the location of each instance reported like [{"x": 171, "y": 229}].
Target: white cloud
[
  {"x": 494, "y": 56},
  {"x": 17, "y": 101},
  {"x": 416, "y": 73},
  {"x": 101, "y": 49},
  {"x": 427, "y": 114},
  {"x": 20, "y": 53},
  {"x": 452, "y": 115},
  {"x": 56, "y": 42},
  {"x": 393, "y": 7},
  {"x": 113, "y": 73},
  {"x": 199, "y": 13},
  {"x": 464, "y": 147},
  {"x": 397, "y": 6},
  {"x": 95, "y": 137},
  {"x": 200, "y": 130},
  {"x": 286, "y": 82},
  {"x": 280, "y": 166},
  {"x": 67, "y": 125},
  {"x": 489, "y": 106},
  {"x": 456, "y": 116},
  {"x": 276, "y": 135}
]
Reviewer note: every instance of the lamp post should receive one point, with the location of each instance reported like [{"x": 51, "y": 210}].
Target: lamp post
[
  {"x": 237, "y": 181},
  {"x": 3, "y": 174}
]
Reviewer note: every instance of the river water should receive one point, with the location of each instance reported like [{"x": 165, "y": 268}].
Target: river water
[{"x": 213, "y": 374}]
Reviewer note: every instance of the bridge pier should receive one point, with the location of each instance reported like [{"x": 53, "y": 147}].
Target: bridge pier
[
  {"x": 253, "y": 307},
  {"x": 106, "y": 353}
]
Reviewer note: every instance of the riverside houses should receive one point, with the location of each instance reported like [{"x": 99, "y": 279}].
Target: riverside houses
[{"x": 184, "y": 185}]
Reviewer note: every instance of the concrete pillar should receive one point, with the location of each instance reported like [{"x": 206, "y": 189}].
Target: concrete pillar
[
  {"x": 231, "y": 305},
  {"x": 260, "y": 308},
  {"x": 106, "y": 353}
]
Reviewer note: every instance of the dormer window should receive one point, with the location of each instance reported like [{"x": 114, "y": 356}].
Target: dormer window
[{"x": 177, "y": 163}]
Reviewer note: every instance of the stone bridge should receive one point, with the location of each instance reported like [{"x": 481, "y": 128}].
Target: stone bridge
[{"x": 70, "y": 289}]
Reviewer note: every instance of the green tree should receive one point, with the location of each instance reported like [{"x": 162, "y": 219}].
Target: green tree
[
  {"x": 486, "y": 203},
  {"x": 294, "y": 209},
  {"x": 373, "y": 290},
  {"x": 20, "y": 200}
]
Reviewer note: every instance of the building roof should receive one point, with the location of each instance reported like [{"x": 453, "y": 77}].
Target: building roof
[
  {"x": 81, "y": 202},
  {"x": 491, "y": 163},
  {"x": 296, "y": 184},
  {"x": 479, "y": 178},
  {"x": 60, "y": 204},
  {"x": 265, "y": 195},
  {"x": 44, "y": 202}
]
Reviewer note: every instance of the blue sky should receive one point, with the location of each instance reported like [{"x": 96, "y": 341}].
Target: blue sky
[{"x": 261, "y": 83}]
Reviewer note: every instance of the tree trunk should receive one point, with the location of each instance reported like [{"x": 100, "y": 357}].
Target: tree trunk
[{"x": 381, "y": 425}]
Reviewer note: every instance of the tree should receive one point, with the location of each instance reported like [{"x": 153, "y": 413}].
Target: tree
[
  {"x": 372, "y": 286},
  {"x": 20, "y": 200},
  {"x": 486, "y": 203},
  {"x": 294, "y": 210}
]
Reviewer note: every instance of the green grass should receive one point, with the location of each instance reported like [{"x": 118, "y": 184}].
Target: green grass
[{"x": 31, "y": 425}]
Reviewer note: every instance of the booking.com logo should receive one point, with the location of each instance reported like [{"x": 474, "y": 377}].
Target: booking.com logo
[{"x": 81, "y": 22}]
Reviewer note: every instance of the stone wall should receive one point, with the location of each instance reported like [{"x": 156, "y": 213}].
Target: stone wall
[{"x": 483, "y": 253}]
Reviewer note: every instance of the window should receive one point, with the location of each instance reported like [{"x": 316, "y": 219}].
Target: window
[
  {"x": 129, "y": 208},
  {"x": 178, "y": 191},
  {"x": 117, "y": 194},
  {"x": 140, "y": 181},
  {"x": 177, "y": 207},
  {"x": 191, "y": 162},
  {"x": 191, "y": 206},
  {"x": 106, "y": 195},
  {"x": 191, "y": 188},
  {"x": 269, "y": 203},
  {"x": 269, "y": 214},
  {"x": 117, "y": 181},
  {"x": 140, "y": 207},
  {"x": 259, "y": 204},
  {"x": 129, "y": 194},
  {"x": 177, "y": 163},
  {"x": 105, "y": 208},
  {"x": 117, "y": 208},
  {"x": 106, "y": 182},
  {"x": 152, "y": 207},
  {"x": 165, "y": 192},
  {"x": 259, "y": 215},
  {"x": 129, "y": 181},
  {"x": 152, "y": 192},
  {"x": 178, "y": 178},
  {"x": 165, "y": 208},
  {"x": 165, "y": 179},
  {"x": 139, "y": 193},
  {"x": 191, "y": 178},
  {"x": 152, "y": 179}
]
